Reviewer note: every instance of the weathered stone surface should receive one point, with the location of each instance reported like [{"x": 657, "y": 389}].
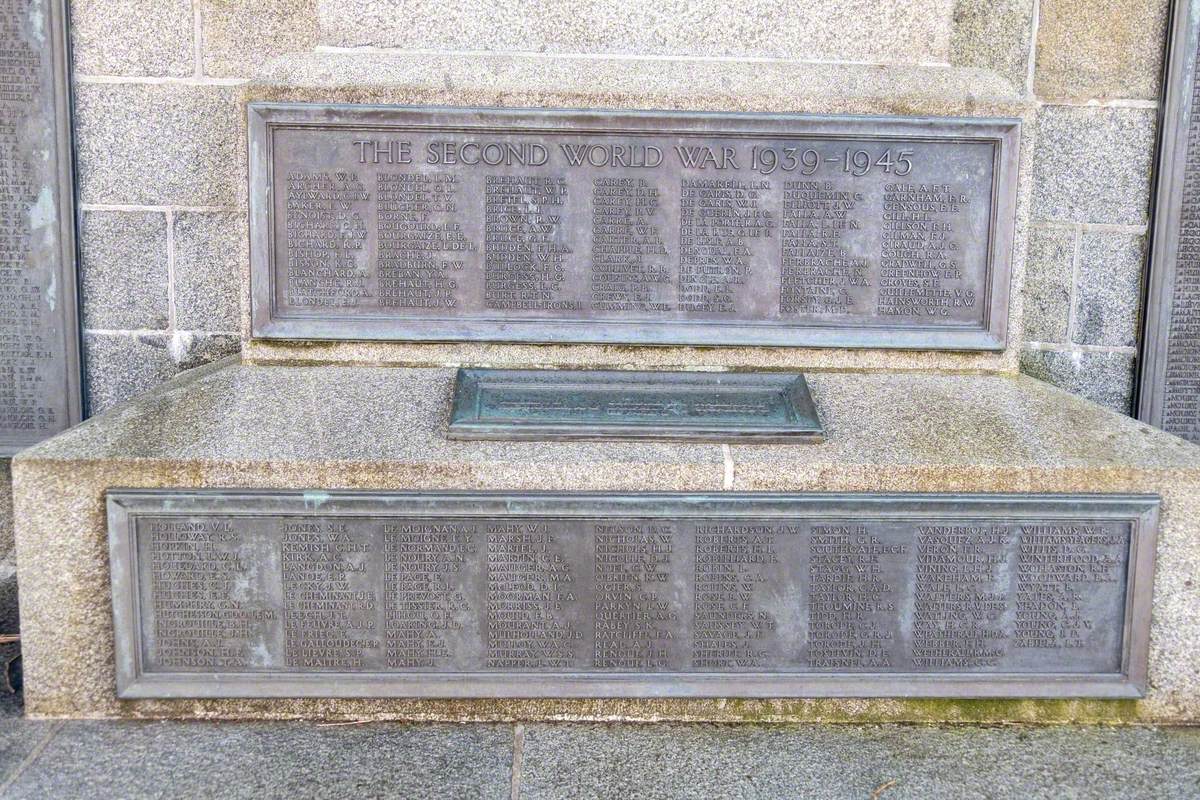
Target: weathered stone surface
[
  {"x": 132, "y": 37},
  {"x": 208, "y": 280},
  {"x": 993, "y": 34},
  {"x": 835, "y": 762},
  {"x": 122, "y": 366},
  {"x": 1108, "y": 298},
  {"x": 1093, "y": 164},
  {"x": 155, "y": 144},
  {"x": 850, "y": 30},
  {"x": 124, "y": 270},
  {"x": 96, "y": 759},
  {"x": 238, "y": 35},
  {"x": 1049, "y": 275},
  {"x": 371, "y": 428},
  {"x": 1100, "y": 376},
  {"x": 1100, "y": 50}
]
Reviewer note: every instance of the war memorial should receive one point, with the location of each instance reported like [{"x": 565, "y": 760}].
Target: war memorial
[{"x": 588, "y": 374}]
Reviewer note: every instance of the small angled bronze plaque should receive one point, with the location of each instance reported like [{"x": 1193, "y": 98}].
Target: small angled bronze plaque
[{"x": 619, "y": 404}]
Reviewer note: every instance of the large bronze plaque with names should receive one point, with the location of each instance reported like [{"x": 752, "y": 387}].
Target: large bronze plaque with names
[
  {"x": 1169, "y": 392},
  {"x": 39, "y": 338},
  {"x": 285, "y": 594},
  {"x": 635, "y": 227}
]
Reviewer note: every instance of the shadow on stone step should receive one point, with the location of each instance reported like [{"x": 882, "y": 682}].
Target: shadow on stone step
[{"x": 10, "y": 650}]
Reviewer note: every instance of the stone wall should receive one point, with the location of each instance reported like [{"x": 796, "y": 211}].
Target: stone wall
[
  {"x": 157, "y": 120},
  {"x": 1097, "y": 80}
]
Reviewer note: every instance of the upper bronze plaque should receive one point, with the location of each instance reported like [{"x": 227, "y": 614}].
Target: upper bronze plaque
[
  {"x": 648, "y": 228},
  {"x": 39, "y": 339}
]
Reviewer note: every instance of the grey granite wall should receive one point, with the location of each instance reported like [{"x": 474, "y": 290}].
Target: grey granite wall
[
  {"x": 1096, "y": 78},
  {"x": 157, "y": 132}
]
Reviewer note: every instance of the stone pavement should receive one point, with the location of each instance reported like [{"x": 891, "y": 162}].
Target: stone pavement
[{"x": 233, "y": 760}]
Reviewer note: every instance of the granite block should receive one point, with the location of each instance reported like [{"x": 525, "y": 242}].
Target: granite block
[
  {"x": 1109, "y": 295},
  {"x": 245, "y": 760},
  {"x": 238, "y": 35},
  {"x": 993, "y": 35},
  {"x": 122, "y": 366},
  {"x": 132, "y": 37},
  {"x": 853, "y": 30},
  {"x": 1049, "y": 274},
  {"x": 208, "y": 281},
  {"x": 155, "y": 144},
  {"x": 124, "y": 270},
  {"x": 1088, "y": 49},
  {"x": 1100, "y": 376},
  {"x": 1093, "y": 164},
  {"x": 813, "y": 762},
  {"x": 372, "y": 428}
]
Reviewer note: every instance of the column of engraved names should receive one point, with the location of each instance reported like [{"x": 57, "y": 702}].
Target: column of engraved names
[
  {"x": 1060, "y": 568},
  {"x": 532, "y": 602},
  {"x": 732, "y": 627},
  {"x": 920, "y": 268},
  {"x": 326, "y": 223},
  {"x": 820, "y": 273},
  {"x": 629, "y": 268},
  {"x": 201, "y": 620},
  {"x": 1181, "y": 380},
  {"x": 330, "y": 602},
  {"x": 525, "y": 255},
  {"x": 852, "y": 600},
  {"x": 635, "y": 618},
  {"x": 960, "y": 597},
  {"x": 422, "y": 248},
  {"x": 424, "y": 602},
  {"x": 722, "y": 220},
  {"x": 25, "y": 349}
]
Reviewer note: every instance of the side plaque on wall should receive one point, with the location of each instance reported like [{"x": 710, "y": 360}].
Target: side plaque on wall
[
  {"x": 284, "y": 594},
  {"x": 635, "y": 227},
  {"x": 1169, "y": 393},
  {"x": 39, "y": 338}
]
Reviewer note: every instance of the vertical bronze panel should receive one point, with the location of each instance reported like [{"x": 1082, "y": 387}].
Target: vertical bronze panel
[{"x": 39, "y": 336}]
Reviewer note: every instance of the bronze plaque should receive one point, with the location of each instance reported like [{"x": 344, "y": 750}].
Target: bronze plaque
[
  {"x": 283, "y": 594},
  {"x": 1169, "y": 392},
  {"x": 635, "y": 227},
  {"x": 39, "y": 338},
  {"x": 543, "y": 404}
]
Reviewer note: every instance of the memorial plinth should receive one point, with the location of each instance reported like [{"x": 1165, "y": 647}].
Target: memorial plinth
[{"x": 321, "y": 429}]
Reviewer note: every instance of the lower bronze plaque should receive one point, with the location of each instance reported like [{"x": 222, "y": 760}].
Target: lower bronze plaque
[
  {"x": 601, "y": 404},
  {"x": 284, "y": 594}
]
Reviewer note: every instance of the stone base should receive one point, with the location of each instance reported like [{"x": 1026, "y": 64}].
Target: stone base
[{"x": 234, "y": 425}]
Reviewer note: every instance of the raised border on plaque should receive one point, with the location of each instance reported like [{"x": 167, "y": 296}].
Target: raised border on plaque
[
  {"x": 125, "y": 506},
  {"x": 265, "y": 118},
  {"x": 53, "y": 243},
  {"x": 677, "y": 406}
]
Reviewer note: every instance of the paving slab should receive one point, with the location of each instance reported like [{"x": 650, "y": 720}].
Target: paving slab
[
  {"x": 19, "y": 738},
  {"x": 105, "y": 759},
  {"x": 842, "y": 761}
]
